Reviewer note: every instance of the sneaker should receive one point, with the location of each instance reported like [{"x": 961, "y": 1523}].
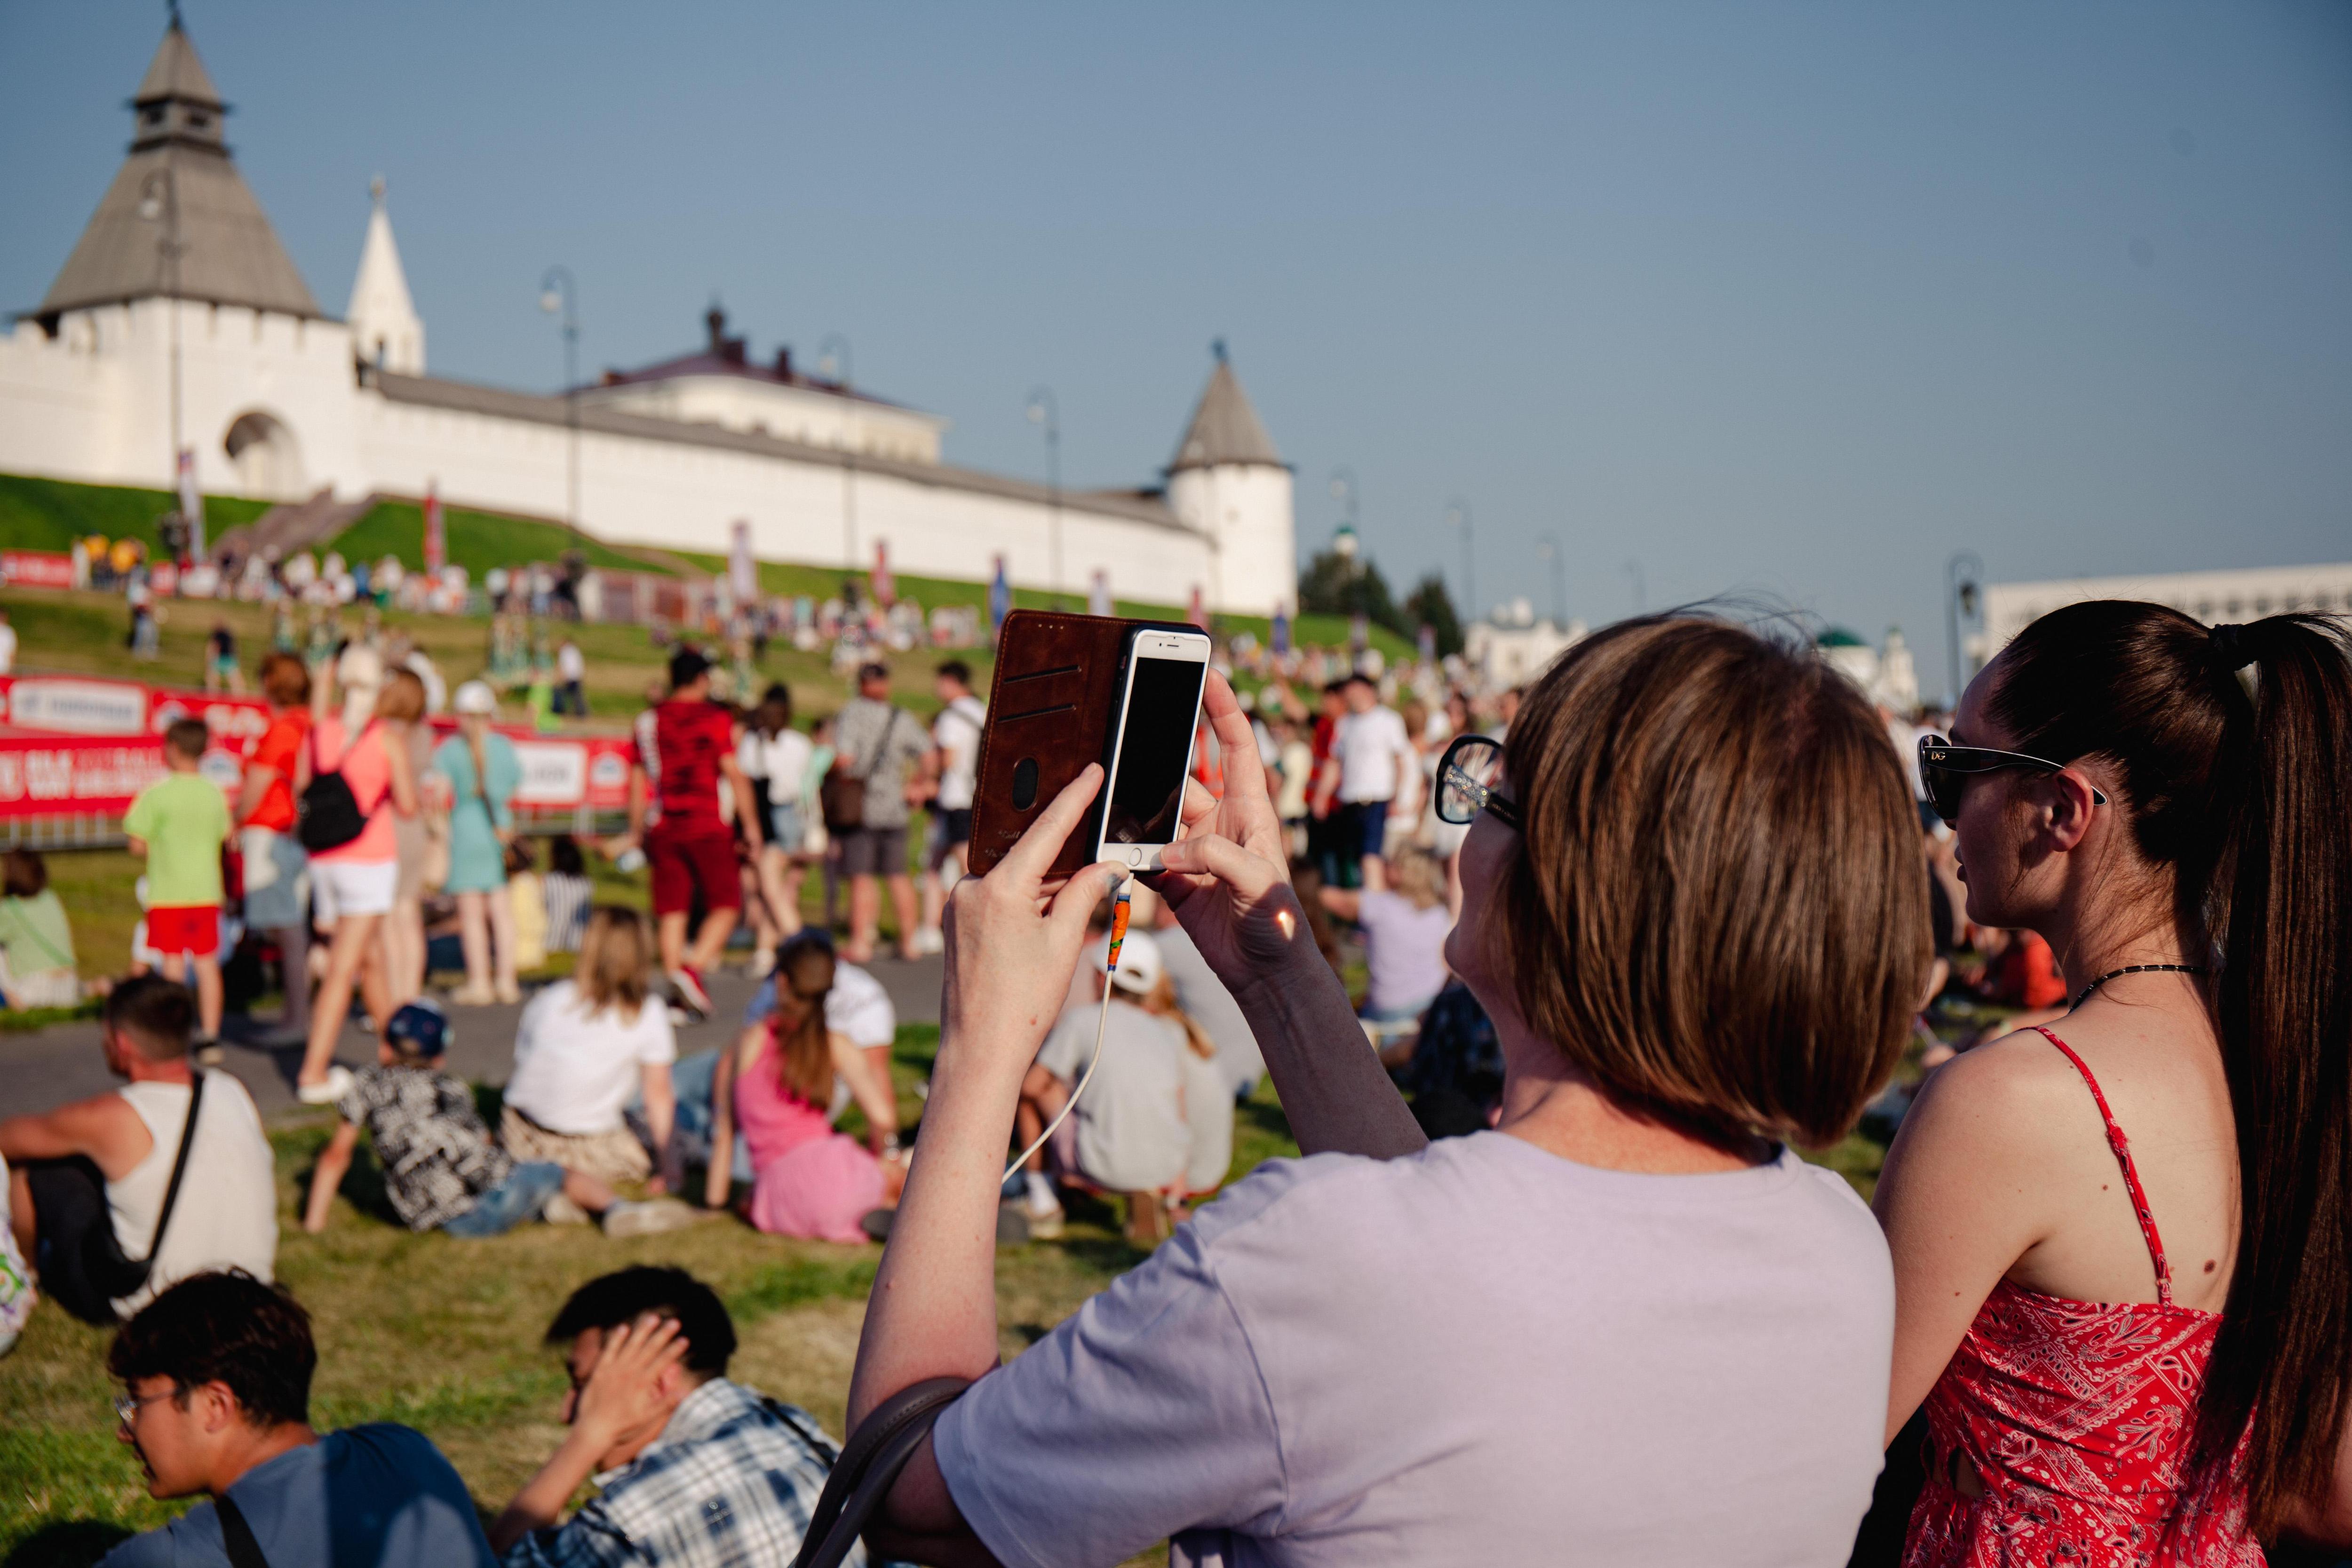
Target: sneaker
[
  {"x": 763, "y": 961},
  {"x": 650, "y": 1217},
  {"x": 561, "y": 1210},
  {"x": 1044, "y": 1218},
  {"x": 207, "y": 1052},
  {"x": 327, "y": 1090},
  {"x": 926, "y": 940},
  {"x": 468, "y": 997},
  {"x": 688, "y": 985}
]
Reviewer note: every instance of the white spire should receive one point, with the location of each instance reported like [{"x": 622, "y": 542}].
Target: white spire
[{"x": 386, "y": 331}]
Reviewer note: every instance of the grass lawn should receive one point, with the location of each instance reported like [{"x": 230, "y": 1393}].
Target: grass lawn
[
  {"x": 50, "y": 514},
  {"x": 443, "y": 1335}
]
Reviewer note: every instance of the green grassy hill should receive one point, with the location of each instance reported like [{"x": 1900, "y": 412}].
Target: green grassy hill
[{"x": 50, "y": 514}]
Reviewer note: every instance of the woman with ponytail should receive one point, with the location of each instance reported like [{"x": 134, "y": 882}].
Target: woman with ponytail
[{"x": 2122, "y": 1243}]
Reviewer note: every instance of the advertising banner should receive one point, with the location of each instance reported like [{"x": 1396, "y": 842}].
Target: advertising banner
[
  {"x": 82, "y": 776},
  {"x": 74, "y": 705},
  {"x": 36, "y": 568}
]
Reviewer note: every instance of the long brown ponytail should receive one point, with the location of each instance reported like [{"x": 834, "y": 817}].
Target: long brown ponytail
[{"x": 2234, "y": 747}]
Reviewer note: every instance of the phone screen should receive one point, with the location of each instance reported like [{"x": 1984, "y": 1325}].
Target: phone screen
[{"x": 1155, "y": 742}]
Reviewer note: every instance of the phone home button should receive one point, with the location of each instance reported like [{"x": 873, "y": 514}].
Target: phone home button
[{"x": 1135, "y": 855}]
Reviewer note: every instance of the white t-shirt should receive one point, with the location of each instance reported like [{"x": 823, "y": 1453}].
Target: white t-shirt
[
  {"x": 1479, "y": 1353},
  {"x": 575, "y": 1070},
  {"x": 1367, "y": 745},
  {"x": 568, "y": 662},
  {"x": 227, "y": 1213},
  {"x": 956, "y": 732},
  {"x": 858, "y": 1007},
  {"x": 7, "y": 647},
  {"x": 784, "y": 763},
  {"x": 1132, "y": 1135}
]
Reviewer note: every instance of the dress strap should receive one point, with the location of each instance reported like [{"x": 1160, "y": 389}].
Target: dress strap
[{"x": 2122, "y": 1146}]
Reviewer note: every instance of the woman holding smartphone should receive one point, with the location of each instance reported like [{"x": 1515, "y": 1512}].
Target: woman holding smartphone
[{"x": 1628, "y": 1323}]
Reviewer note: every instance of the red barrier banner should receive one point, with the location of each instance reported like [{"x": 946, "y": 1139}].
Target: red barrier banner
[
  {"x": 36, "y": 568},
  {"x": 87, "y": 705},
  {"x": 69, "y": 775}
]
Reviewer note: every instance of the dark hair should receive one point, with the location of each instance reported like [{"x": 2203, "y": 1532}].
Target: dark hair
[
  {"x": 773, "y": 716},
  {"x": 1717, "y": 911},
  {"x": 24, "y": 873},
  {"x": 872, "y": 670},
  {"x": 188, "y": 737},
  {"x": 611, "y": 1299},
  {"x": 2243, "y": 796},
  {"x": 957, "y": 670},
  {"x": 687, "y": 666},
  {"x": 226, "y": 1328},
  {"x": 157, "y": 1013},
  {"x": 563, "y": 857},
  {"x": 284, "y": 679}
]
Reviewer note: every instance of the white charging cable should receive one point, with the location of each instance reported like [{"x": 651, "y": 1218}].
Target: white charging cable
[{"x": 1119, "y": 908}]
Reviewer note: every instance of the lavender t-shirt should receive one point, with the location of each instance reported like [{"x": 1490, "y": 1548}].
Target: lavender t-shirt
[
  {"x": 1482, "y": 1354},
  {"x": 1404, "y": 951}
]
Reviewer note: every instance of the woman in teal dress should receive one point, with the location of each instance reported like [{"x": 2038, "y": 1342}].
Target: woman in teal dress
[{"x": 484, "y": 773}]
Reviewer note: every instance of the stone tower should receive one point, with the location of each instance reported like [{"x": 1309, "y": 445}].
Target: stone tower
[
  {"x": 1228, "y": 482},
  {"x": 386, "y": 330}
]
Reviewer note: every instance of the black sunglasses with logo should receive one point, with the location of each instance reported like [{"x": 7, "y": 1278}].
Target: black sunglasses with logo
[
  {"x": 1946, "y": 769},
  {"x": 1467, "y": 776}
]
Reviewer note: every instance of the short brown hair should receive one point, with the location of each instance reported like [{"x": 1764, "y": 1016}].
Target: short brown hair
[
  {"x": 1720, "y": 912},
  {"x": 403, "y": 698},
  {"x": 285, "y": 680},
  {"x": 155, "y": 1013},
  {"x": 188, "y": 737},
  {"x": 615, "y": 956},
  {"x": 22, "y": 873},
  {"x": 226, "y": 1328}
]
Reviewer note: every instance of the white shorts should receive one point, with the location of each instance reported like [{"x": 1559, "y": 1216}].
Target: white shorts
[
  {"x": 277, "y": 879},
  {"x": 348, "y": 888}
]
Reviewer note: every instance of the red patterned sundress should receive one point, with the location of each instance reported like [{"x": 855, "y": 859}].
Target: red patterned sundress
[{"x": 2077, "y": 1416}]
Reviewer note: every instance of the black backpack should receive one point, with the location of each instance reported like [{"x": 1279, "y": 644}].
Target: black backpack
[{"x": 329, "y": 815}]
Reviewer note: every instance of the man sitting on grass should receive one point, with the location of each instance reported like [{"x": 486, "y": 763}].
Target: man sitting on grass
[
  {"x": 692, "y": 1469},
  {"x": 218, "y": 1372},
  {"x": 440, "y": 1168}
]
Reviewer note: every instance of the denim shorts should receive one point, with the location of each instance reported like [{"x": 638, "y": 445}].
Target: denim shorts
[
  {"x": 786, "y": 830},
  {"x": 520, "y": 1197}
]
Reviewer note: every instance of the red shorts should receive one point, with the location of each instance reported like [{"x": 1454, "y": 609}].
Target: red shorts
[
  {"x": 189, "y": 927},
  {"x": 680, "y": 864}
]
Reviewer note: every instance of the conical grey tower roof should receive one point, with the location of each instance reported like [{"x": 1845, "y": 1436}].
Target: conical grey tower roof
[
  {"x": 1225, "y": 428},
  {"x": 178, "y": 192}
]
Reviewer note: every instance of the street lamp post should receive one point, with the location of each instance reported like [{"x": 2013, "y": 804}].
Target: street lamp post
[
  {"x": 1457, "y": 515},
  {"x": 1963, "y": 584},
  {"x": 1548, "y": 546},
  {"x": 833, "y": 360},
  {"x": 1046, "y": 411},
  {"x": 558, "y": 292}
]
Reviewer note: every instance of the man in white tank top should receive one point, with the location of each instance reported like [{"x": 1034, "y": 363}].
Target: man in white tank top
[{"x": 107, "y": 1161}]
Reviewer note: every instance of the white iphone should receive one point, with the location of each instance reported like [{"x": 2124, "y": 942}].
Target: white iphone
[{"x": 1151, "y": 751}]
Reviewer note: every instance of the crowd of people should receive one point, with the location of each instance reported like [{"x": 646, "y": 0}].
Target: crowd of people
[{"x": 1630, "y": 937}]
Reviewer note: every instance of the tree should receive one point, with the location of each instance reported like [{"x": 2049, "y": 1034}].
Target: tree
[
  {"x": 1429, "y": 604},
  {"x": 1337, "y": 584}
]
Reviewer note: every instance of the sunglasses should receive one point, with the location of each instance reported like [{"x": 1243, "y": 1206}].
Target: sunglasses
[
  {"x": 1466, "y": 778},
  {"x": 1946, "y": 769}
]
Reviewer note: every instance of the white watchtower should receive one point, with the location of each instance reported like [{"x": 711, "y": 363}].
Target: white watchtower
[{"x": 1228, "y": 483}]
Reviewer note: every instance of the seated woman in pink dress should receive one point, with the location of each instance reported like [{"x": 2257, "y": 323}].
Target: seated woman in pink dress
[{"x": 777, "y": 1085}]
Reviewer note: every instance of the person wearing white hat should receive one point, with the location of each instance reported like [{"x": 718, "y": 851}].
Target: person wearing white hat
[
  {"x": 354, "y": 854},
  {"x": 484, "y": 770},
  {"x": 1132, "y": 1132}
]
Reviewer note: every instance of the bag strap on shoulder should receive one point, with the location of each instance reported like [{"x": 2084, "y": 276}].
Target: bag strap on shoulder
[
  {"x": 237, "y": 1534},
  {"x": 869, "y": 1466},
  {"x": 179, "y": 1165}
]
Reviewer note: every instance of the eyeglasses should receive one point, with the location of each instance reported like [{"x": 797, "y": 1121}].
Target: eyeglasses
[
  {"x": 1468, "y": 777},
  {"x": 128, "y": 1406},
  {"x": 1945, "y": 769}
]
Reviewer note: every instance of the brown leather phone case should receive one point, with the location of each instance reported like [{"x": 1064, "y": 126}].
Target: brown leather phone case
[{"x": 1050, "y": 708}]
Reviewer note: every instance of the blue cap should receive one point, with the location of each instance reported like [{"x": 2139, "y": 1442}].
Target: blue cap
[{"x": 419, "y": 1029}]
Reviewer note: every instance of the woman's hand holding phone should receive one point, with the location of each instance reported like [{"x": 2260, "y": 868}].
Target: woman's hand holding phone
[{"x": 1228, "y": 878}]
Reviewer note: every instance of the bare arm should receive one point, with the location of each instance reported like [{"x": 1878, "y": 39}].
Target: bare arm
[
  {"x": 747, "y": 809},
  {"x": 718, "y": 1182},
  {"x": 932, "y": 1313},
  {"x": 1345, "y": 902},
  {"x": 661, "y": 1112},
  {"x": 636, "y": 802},
  {"x": 136, "y": 845},
  {"x": 2327, "y": 1522},
  {"x": 868, "y": 1089},
  {"x": 334, "y": 1163},
  {"x": 258, "y": 779},
  {"x": 402, "y": 775},
  {"x": 103, "y": 1128}
]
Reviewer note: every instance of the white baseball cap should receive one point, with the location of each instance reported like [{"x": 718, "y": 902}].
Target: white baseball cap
[
  {"x": 476, "y": 697},
  {"x": 1140, "y": 964}
]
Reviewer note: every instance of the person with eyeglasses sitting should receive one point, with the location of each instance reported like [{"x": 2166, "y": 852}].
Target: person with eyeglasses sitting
[
  {"x": 1642, "y": 1330},
  {"x": 217, "y": 1403}
]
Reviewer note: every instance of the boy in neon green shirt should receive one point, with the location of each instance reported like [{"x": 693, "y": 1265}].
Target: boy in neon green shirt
[{"x": 179, "y": 824}]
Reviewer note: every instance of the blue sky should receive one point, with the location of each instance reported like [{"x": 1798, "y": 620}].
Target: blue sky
[{"x": 1782, "y": 300}]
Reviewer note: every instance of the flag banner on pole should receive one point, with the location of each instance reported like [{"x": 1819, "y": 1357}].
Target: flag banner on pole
[
  {"x": 742, "y": 572},
  {"x": 1000, "y": 600},
  {"x": 1098, "y": 594},
  {"x": 886, "y": 588},
  {"x": 436, "y": 543},
  {"x": 192, "y": 504}
]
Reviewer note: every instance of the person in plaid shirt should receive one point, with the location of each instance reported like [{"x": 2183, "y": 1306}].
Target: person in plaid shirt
[{"x": 693, "y": 1470}]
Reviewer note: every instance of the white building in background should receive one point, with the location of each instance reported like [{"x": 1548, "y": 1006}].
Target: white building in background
[
  {"x": 1885, "y": 674},
  {"x": 178, "y": 321},
  {"x": 2214, "y": 597},
  {"x": 1511, "y": 647}
]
